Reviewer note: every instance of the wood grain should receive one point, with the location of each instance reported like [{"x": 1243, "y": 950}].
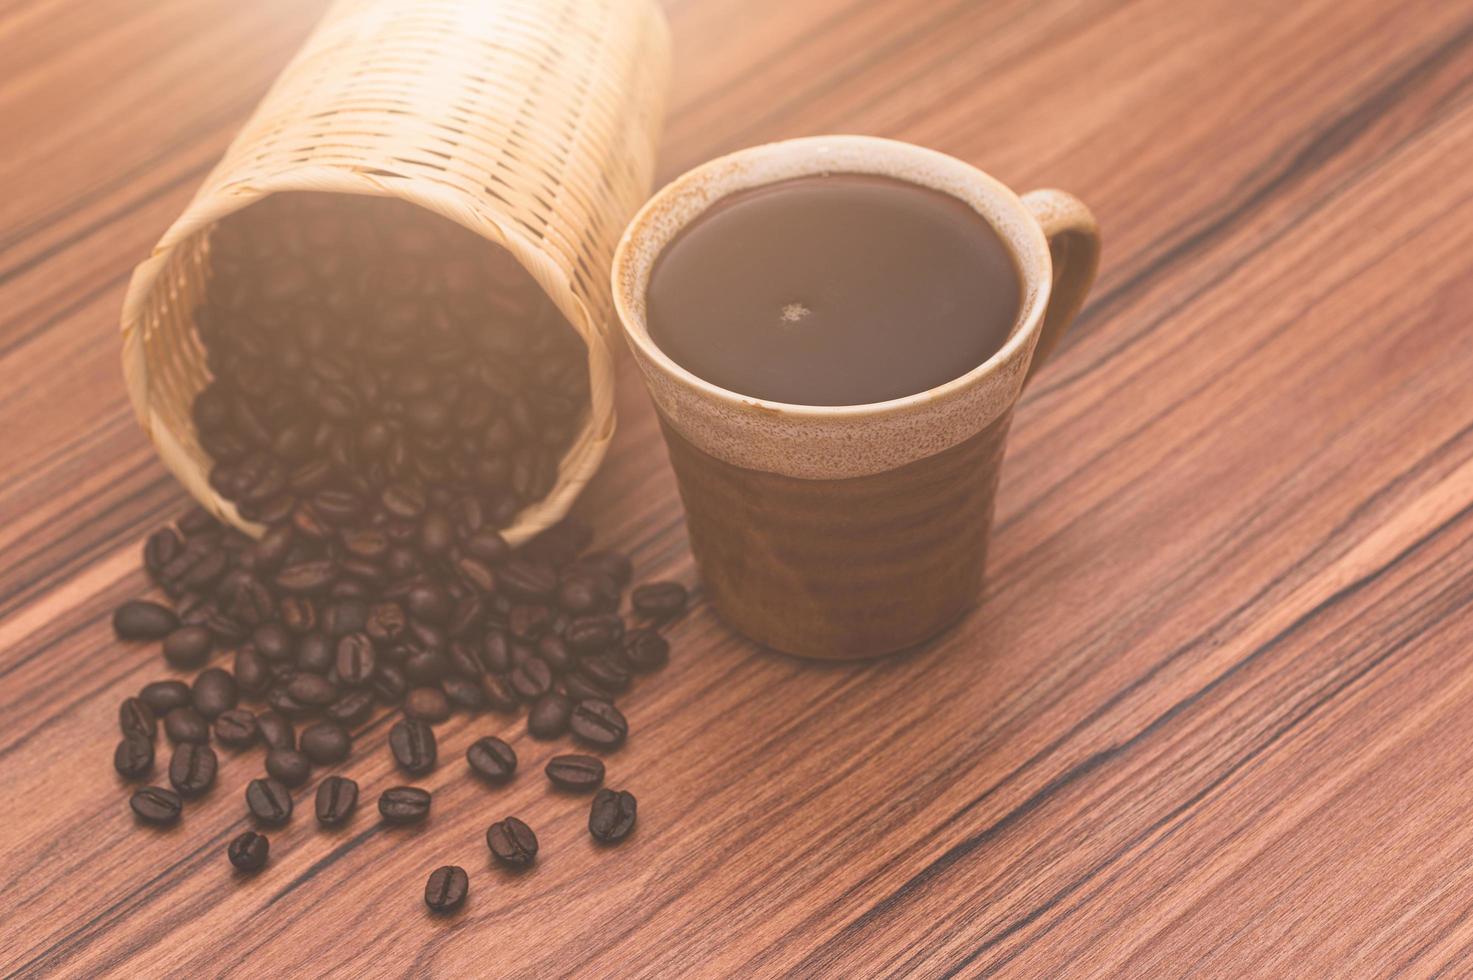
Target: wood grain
[{"x": 1212, "y": 716}]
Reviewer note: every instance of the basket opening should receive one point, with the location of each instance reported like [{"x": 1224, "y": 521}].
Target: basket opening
[{"x": 368, "y": 332}]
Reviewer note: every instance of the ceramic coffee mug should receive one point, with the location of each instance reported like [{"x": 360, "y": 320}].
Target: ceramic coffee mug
[{"x": 857, "y": 530}]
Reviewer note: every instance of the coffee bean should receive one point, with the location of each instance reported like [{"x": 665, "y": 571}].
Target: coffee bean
[
  {"x": 273, "y": 548},
  {"x": 237, "y": 728},
  {"x": 404, "y": 804},
  {"x": 554, "y": 651},
  {"x": 645, "y": 650},
  {"x": 461, "y": 658},
  {"x": 531, "y": 679},
  {"x": 350, "y": 710},
  {"x": 162, "y": 547},
  {"x": 356, "y": 659},
  {"x": 298, "y": 614},
  {"x": 528, "y": 621},
  {"x": 548, "y": 716},
  {"x": 156, "y": 805},
  {"x": 337, "y": 798},
  {"x": 186, "y": 725},
  {"x": 605, "y": 672},
  {"x": 336, "y": 506},
  {"x": 612, "y": 815},
  {"x": 598, "y": 723},
  {"x": 344, "y": 617},
  {"x": 463, "y": 693},
  {"x": 579, "y": 688},
  {"x": 276, "y": 730},
  {"x": 427, "y": 636},
  {"x": 281, "y": 701},
  {"x": 136, "y": 717},
  {"x": 659, "y": 600},
  {"x": 247, "y": 603},
  {"x": 592, "y": 634},
  {"x": 326, "y": 743},
  {"x": 133, "y": 758},
  {"x": 288, "y": 766},
  {"x": 500, "y": 696},
  {"x": 196, "y": 521},
  {"x": 307, "y": 578},
  {"x": 526, "y": 580},
  {"x": 205, "y": 572},
  {"x": 427, "y": 704},
  {"x": 428, "y": 603},
  {"x": 576, "y": 773},
  {"x": 487, "y": 545},
  {"x": 214, "y": 692},
  {"x": 403, "y": 500},
  {"x": 192, "y": 769},
  {"x": 188, "y": 647},
  {"x": 165, "y": 696},
  {"x": 426, "y": 667},
  {"x": 386, "y": 623},
  {"x": 578, "y": 595},
  {"x": 476, "y": 573},
  {"x": 249, "y": 852},
  {"x": 446, "y": 889},
  {"x": 269, "y": 801},
  {"x": 492, "y": 759},
  {"x": 312, "y": 690},
  {"x": 436, "y": 534},
  {"x": 512, "y": 843},
  {"x": 389, "y": 684},
  {"x": 412, "y": 743},
  {"x": 252, "y": 672},
  {"x": 142, "y": 620},
  {"x": 495, "y": 652},
  {"x": 469, "y": 616},
  {"x": 273, "y": 642},
  {"x": 315, "y": 653}
]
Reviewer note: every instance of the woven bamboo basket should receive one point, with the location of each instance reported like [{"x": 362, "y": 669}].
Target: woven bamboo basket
[{"x": 531, "y": 122}]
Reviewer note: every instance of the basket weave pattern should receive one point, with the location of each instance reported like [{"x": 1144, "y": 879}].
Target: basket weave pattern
[{"x": 531, "y": 122}]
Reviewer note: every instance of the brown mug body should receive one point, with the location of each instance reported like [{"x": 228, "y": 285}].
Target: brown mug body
[{"x": 851, "y": 531}]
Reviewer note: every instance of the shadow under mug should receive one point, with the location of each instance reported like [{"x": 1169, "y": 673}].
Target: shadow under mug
[{"x": 857, "y": 530}]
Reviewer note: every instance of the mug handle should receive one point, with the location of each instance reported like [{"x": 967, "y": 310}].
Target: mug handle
[{"x": 1074, "y": 246}]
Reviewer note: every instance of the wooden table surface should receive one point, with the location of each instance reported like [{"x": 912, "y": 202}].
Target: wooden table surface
[{"x": 1214, "y": 715}]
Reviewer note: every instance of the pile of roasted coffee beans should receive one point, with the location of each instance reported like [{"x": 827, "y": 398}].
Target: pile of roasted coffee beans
[
  {"x": 388, "y": 392},
  {"x": 329, "y": 664}
]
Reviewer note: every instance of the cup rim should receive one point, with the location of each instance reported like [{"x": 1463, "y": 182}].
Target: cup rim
[{"x": 1037, "y": 284}]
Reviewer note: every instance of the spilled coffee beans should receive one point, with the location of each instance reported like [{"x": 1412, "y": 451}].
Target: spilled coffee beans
[
  {"x": 337, "y": 798},
  {"x": 249, "y": 851},
  {"x": 156, "y": 805},
  {"x": 446, "y": 889},
  {"x": 269, "y": 801},
  {"x": 412, "y": 743},
  {"x": 575, "y": 773},
  {"x": 192, "y": 769},
  {"x": 404, "y": 804},
  {"x": 612, "y": 815},
  {"x": 512, "y": 843},
  {"x": 491, "y": 759}
]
